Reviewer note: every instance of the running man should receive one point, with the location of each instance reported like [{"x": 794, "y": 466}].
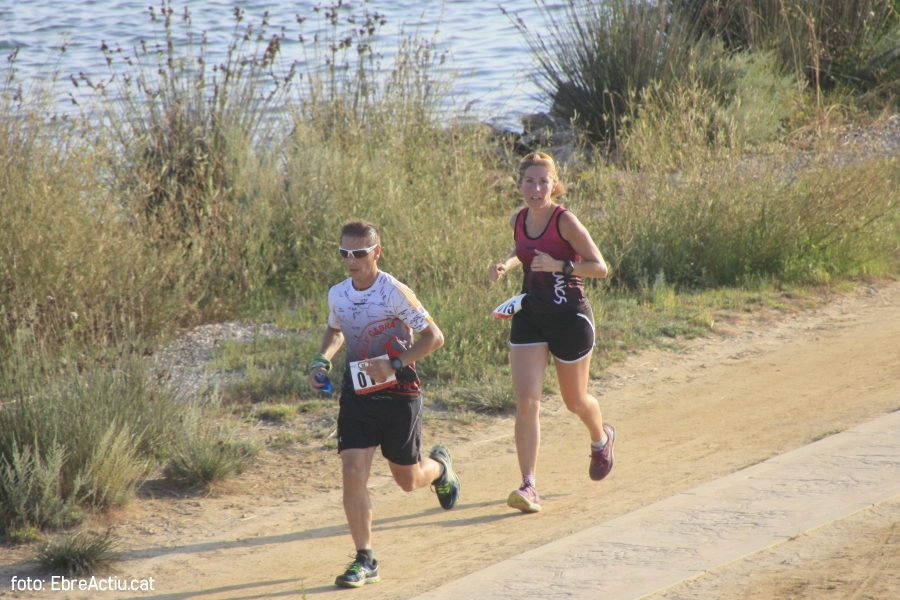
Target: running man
[{"x": 381, "y": 395}]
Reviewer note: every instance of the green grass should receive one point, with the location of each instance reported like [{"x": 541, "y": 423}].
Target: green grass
[
  {"x": 701, "y": 230},
  {"x": 279, "y": 413},
  {"x": 272, "y": 370}
]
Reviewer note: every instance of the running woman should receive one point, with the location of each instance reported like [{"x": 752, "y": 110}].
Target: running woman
[
  {"x": 381, "y": 395},
  {"x": 556, "y": 252}
]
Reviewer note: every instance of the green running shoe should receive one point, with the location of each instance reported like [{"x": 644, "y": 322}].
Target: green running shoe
[
  {"x": 446, "y": 486},
  {"x": 358, "y": 574}
]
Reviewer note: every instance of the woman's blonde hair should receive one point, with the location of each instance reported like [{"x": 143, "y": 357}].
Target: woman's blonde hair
[{"x": 542, "y": 159}]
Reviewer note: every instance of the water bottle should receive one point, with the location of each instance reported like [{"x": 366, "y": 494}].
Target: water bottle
[{"x": 323, "y": 378}]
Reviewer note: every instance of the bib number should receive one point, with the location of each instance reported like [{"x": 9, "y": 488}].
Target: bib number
[
  {"x": 509, "y": 308},
  {"x": 363, "y": 383}
]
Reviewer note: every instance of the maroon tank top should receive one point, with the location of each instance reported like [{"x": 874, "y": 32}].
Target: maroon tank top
[{"x": 548, "y": 292}]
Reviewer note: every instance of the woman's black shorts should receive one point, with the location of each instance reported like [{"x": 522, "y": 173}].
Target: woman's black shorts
[
  {"x": 391, "y": 421},
  {"x": 569, "y": 335}
]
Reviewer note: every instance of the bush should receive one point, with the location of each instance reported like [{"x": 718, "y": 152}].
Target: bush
[
  {"x": 81, "y": 553},
  {"x": 598, "y": 57},
  {"x": 76, "y": 428},
  {"x": 151, "y": 207},
  {"x": 23, "y": 535},
  {"x": 30, "y": 494},
  {"x": 208, "y": 456},
  {"x": 854, "y": 43},
  {"x": 727, "y": 104}
]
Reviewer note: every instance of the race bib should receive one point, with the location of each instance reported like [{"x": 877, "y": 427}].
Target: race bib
[
  {"x": 509, "y": 308},
  {"x": 363, "y": 383}
]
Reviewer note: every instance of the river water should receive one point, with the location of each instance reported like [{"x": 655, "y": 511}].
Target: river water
[{"x": 486, "y": 50}]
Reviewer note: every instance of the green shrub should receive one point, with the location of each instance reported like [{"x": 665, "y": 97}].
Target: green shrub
[
  {"x": 76, "y": 428},
  {"x": 151, "y": 208},
  {"x": 30, "y": 491},
  {"x": 207, "y": 456},
  {"x": 726, "y": 104},
  {"x": 81, "y": 553},
  {"x": 854, "y": 43},
  {"x": 23, "y": 535},
  {"x": 111, "y": 473},
  {"x": 192, "y": 166},
  {"x": 597, "y": 58}
]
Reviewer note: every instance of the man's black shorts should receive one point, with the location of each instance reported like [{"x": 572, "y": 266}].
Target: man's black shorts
[
  {"x": 393, "y": 422},
  {"x": 569, "y": 335}
]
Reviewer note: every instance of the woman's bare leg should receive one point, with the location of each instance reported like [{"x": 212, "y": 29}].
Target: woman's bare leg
[
  {"x": 573, "y": 382},
  {"x": 528, "y": 363}
]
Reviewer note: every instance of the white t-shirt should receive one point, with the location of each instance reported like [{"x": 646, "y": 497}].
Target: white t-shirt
[{"x": 378, "y": 321}]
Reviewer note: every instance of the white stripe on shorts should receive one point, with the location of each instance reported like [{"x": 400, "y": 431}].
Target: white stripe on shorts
[{"x": 588, "y": 352}]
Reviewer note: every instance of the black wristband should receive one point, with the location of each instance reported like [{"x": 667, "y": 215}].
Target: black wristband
[{"x": 568, "y": 267}]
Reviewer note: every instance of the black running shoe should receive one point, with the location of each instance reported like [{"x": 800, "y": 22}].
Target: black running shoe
[
  {"x": 358, "y": 574},
  {"x": 446, "y": 486}
]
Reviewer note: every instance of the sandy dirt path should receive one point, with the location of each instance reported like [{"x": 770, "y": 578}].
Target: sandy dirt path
[{"x": 757, "y": 387}]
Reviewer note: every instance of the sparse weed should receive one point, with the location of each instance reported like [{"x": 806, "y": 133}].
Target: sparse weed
[
  {"x": 754, "y": 462},
  {"x": 319, "y": 433},
  {"x": 285, "y": 438},
  {"x": 487, "y": 396},
  {"x": 826, "y": 434},
  {"x": 464, "y": 417},
  {"x": 550, "y": 385}
]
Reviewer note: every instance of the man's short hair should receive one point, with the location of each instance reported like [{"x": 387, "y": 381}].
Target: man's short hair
[{"x": 361, "y": 229}]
